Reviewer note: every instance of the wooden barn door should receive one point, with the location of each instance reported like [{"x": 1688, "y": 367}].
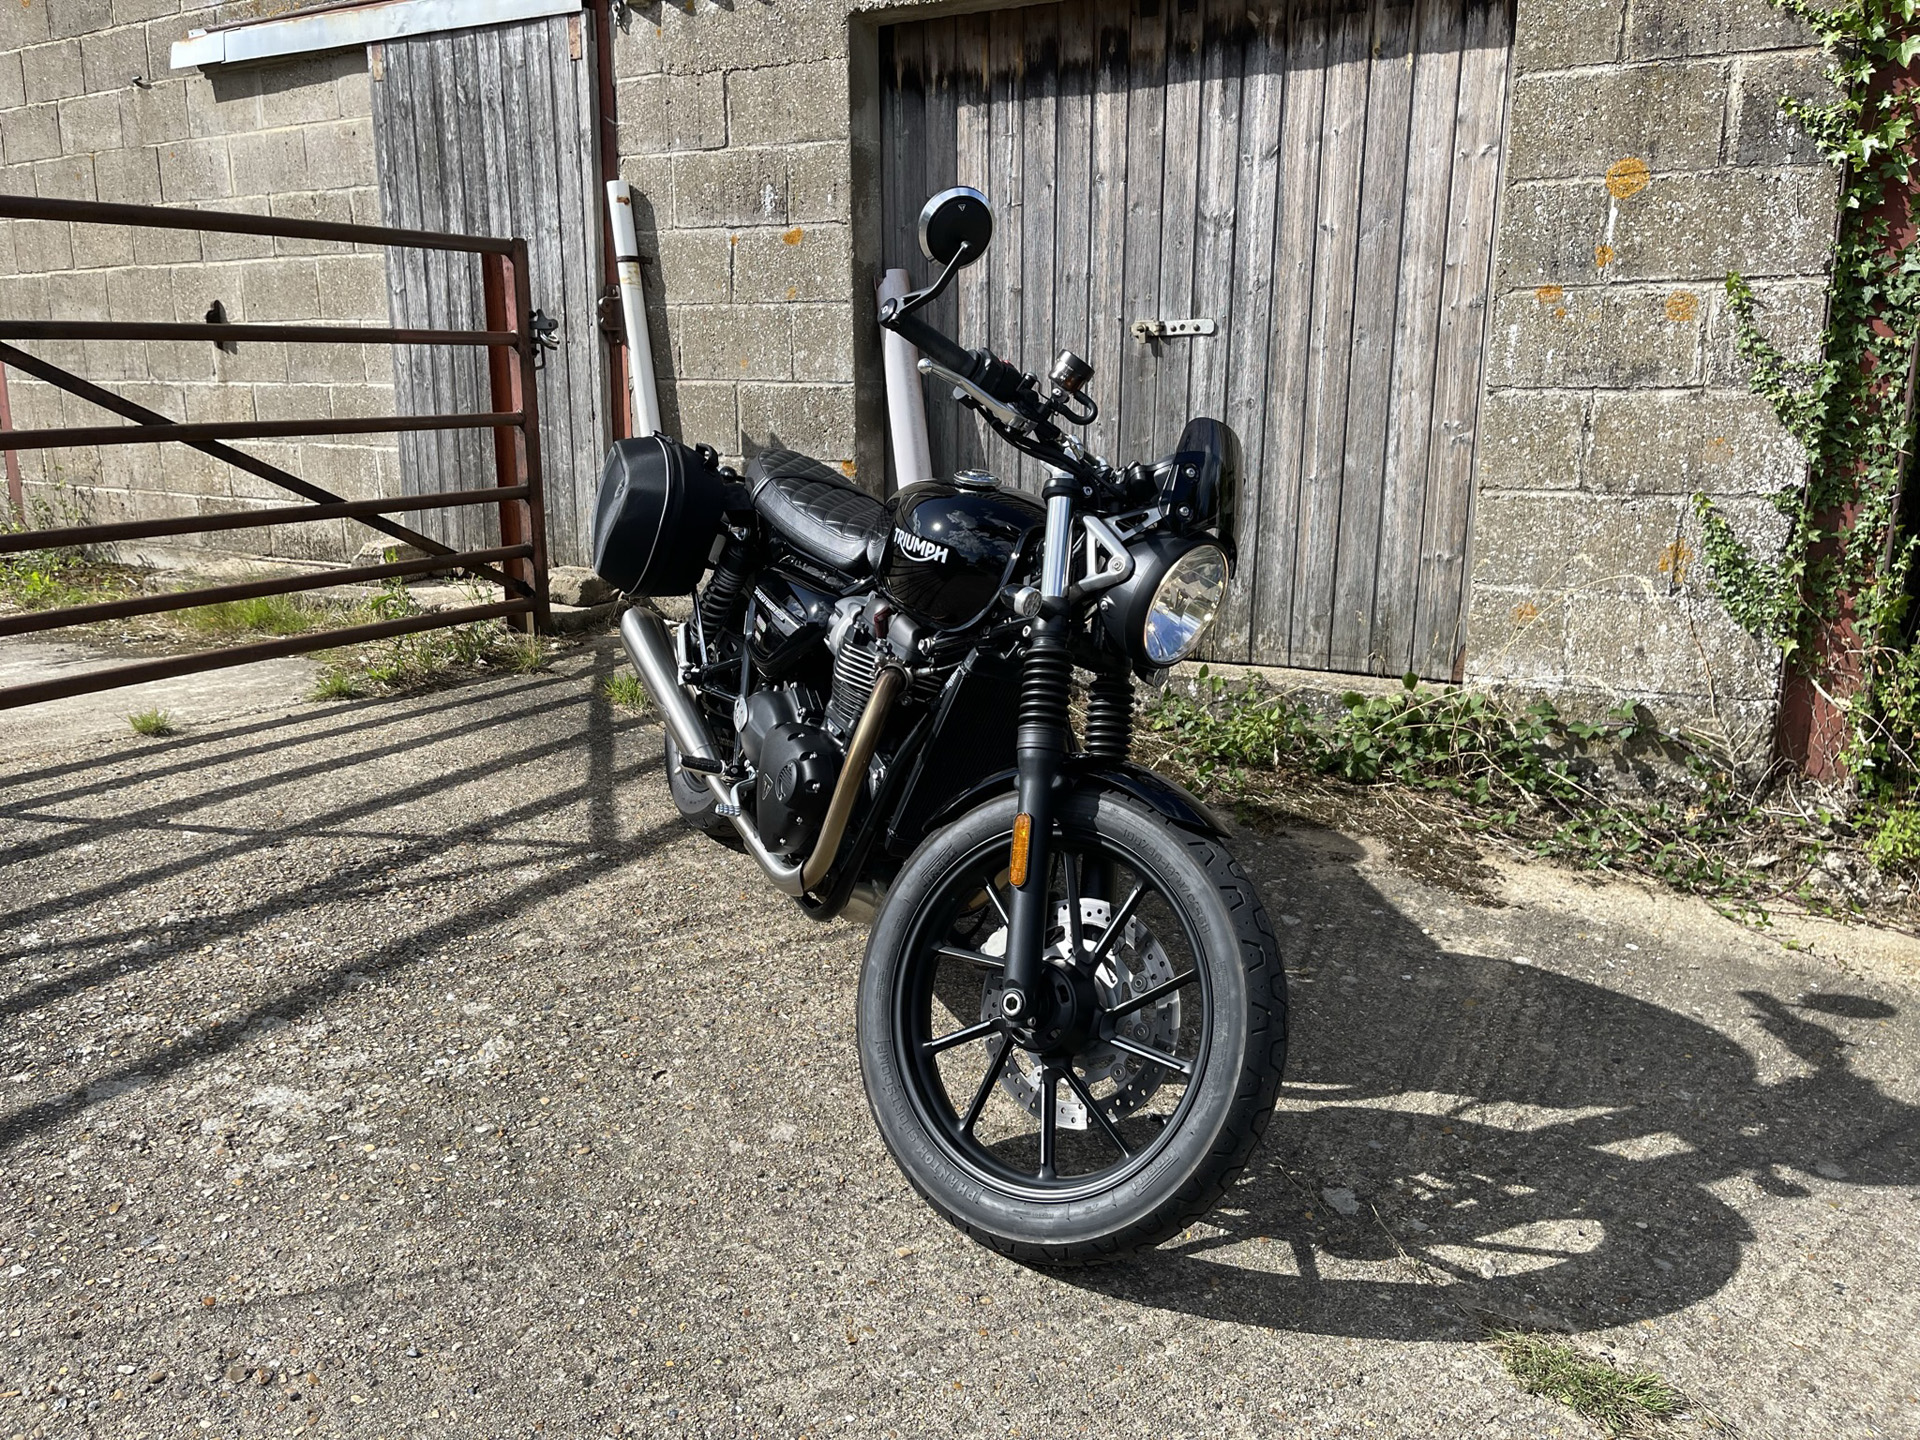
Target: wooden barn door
[
  {"x": 489, "y": 132},
  {"x": 1318, "y": 180}
]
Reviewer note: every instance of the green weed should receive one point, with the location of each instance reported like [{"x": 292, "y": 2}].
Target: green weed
[
  {"x": 1620, "y": 1402},
  {"x": 336, "y": 682},
  {"x": 262, "y": 615},
  {"x": 1895, "y": 844},
  {"x": 625, "y": 690},
  {"x": 152, "y": 723}
]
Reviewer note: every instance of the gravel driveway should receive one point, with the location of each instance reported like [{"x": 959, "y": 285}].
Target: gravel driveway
[{"x": 403, "y": 1067}]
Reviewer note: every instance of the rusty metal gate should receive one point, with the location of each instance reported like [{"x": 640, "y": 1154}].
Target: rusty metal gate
[
  {"x": 515, "y": 559},
  {"x": 1315, "y": 181}
]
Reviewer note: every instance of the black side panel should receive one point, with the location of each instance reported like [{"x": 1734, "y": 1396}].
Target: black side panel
[
  {"x": 973, "y": 733},
  {"x": 1171, "y": 799}
]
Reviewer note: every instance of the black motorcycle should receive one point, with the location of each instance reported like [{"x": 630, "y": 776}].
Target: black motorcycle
[{"x": 1072, "y": 1015}]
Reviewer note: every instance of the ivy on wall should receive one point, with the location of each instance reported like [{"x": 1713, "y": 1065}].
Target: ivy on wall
[{"x": 1836, "y": 600}]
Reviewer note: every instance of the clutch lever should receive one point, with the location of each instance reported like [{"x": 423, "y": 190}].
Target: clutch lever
[{"x": 966, "y": 389}]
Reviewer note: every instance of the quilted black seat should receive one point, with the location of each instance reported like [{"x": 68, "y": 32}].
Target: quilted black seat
[{"x": 816, "y": 511}]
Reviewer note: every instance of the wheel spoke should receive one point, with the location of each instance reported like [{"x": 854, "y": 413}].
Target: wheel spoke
[
  {"x": 960, "y": 1037},
  {"x": 1049, "y": 1091},
  {"x": 1093, "y": 1105},
  {"x": 993, "y": 894},
  {"x": 987, "y": 1082},
  {"x": 1156, "y": 994},
  {"x": 972, "y": 957},
  {"x": 1115, "y": 925},
  {"x": 1147, "y": 1052}
]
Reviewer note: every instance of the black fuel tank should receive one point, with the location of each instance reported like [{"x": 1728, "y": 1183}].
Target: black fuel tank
[{"x": 951, "y": 549}]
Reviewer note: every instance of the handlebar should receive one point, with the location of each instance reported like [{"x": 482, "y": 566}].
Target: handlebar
[{"x": 1005, "y": 384}]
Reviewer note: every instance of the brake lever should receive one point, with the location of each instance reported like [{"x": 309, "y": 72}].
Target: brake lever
[{"x": 964, "y": 387}]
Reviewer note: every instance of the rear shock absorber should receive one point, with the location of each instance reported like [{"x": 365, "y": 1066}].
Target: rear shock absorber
[
  {"x": 720, "y": 605},
  {"x": 1109, "y": 717}
]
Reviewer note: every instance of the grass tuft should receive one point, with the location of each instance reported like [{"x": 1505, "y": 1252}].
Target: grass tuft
[
  {"x": 625, "y": 690},
  {"x": 262, "y": 615},
  {"x": 522, "y": 654},
  {"x": 152, "y": 723},
  {"x": 336, "y": 682},
  {"x": 1620, "y": 1402}
]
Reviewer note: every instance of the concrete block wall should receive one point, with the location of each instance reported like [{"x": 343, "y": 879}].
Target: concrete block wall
[
  {"x": 735, "y": 132},
  {"x": 1647, "y": 157},
  {"x": 292, "y": 139}
]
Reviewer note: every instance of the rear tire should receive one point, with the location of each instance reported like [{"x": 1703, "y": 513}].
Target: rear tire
[
  {"x": 942, "y": 1103},
  {"x": 695, "y": 802}
]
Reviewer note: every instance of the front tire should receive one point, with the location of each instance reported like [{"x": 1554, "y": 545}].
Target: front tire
[{"x": 1074, "y": 1149}]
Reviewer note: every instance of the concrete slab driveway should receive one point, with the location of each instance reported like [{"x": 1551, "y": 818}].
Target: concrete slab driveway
[{"x": 403, "y": 1068}]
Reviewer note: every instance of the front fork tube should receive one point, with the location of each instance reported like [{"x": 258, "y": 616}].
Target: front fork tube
[{"x": 1040, "y": 758}]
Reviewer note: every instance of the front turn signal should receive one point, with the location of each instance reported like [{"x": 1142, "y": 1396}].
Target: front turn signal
[{"x": 1022, "y": 839}]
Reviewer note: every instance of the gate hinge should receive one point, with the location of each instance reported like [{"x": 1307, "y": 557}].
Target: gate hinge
[{"x": 613, "y": 320}]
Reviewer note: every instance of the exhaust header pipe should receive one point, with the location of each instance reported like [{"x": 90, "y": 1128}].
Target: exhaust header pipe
[{"x": 653, "y": 657}]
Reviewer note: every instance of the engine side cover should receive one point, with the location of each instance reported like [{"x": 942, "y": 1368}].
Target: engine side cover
[
  {"x": 950, "y": 550},
  {"x": 799, "y": 765}
]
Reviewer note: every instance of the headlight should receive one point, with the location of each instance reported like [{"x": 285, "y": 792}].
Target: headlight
[{"x": 1165, "y": 607}]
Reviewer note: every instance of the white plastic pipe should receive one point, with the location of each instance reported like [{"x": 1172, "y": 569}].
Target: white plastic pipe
[
  {"x": 906, "y": 399},
  {"x": 633, "y": 306}
]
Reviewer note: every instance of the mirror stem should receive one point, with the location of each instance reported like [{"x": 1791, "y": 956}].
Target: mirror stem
[{"x": 904, "y": 306}]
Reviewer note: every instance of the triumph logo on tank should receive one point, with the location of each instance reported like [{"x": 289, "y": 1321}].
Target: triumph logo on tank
[{"x": 915, "y": 548}]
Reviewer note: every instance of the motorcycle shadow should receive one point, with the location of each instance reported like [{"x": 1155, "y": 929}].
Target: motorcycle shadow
[{"x": 1463, "y": 1138}]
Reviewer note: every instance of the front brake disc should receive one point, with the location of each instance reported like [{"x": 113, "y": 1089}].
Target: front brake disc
[{"x": 1135, "y": 963}]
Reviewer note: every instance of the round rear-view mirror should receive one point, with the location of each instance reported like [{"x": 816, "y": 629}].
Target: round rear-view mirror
[{"x": 956, "y": 220}]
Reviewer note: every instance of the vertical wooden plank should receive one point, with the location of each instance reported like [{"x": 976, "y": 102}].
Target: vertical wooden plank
[
  {"x": 1369, "y": 378},
  {"x": 1073, "y": 178},
  {"x": 592, "y": 355},
  {"x": 1476, "y": 178},
  {"x": 1217, "y": 201},
  {"x": 1250, "y": 320},
  {"x": 1107, "y": 221},
  {"x": 572, "y": 303},
  {"x": 1007, "y": 173},
  {"x": 1039, "y": 248},
  {"x": 461, "y": 78},
  {"x": 1179, "y": 219},
  {"x": 436, "y": 454},
  {"x": 1146, "y": 162},
  {"x": 940, "y": 40},
  {"x": 1436, "y": 79},
  {"x": 540, "y": 124},
  {"x": 1330, "y": 348},
  {"x": 973, "y": 148},
  {"x": 1287, "y": 373}
]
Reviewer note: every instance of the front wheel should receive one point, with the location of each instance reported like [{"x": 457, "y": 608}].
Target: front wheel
[{"x": 1129, "y": 1115}]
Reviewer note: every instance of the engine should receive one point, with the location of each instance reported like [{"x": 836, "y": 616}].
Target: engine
[{"x": 795, "y": 736}]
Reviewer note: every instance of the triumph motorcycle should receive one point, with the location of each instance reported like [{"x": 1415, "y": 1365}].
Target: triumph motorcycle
[{"x": 1072, "y": 1014}]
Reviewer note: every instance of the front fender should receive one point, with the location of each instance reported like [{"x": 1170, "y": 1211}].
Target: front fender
[{"x": 1170, "y": 798}]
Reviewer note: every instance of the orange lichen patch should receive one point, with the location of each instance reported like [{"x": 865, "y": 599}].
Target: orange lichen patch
[
  {"x": 794, "y": 236},
  {"x": 1718, "y": 451},
  {"x": 1674, "y": 560},
  {"x": 1683, "y": 306},
  {"x": 847, "y": 468},
  {"x": 1627, "y": 177},
  {"x": 1525, "y": 611},
  {"x": 1603, "y": 255},
  {"x": 1549, "y": 294}
]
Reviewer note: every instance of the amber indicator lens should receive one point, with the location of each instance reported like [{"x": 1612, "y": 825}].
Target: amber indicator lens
[{"x": 1022, "y": 838}]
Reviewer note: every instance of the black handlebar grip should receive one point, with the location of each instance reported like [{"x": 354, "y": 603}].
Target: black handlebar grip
[{"x": 946, "y": 353}]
